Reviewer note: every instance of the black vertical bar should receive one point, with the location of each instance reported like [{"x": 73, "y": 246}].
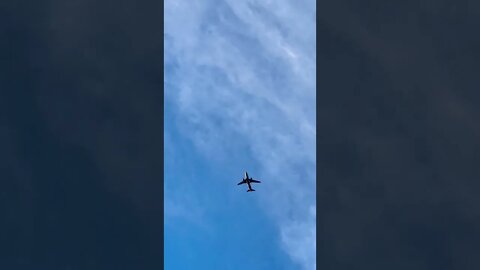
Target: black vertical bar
[
  {"x": 398, "y": 135},
  {"x": 81, "y": 134}
]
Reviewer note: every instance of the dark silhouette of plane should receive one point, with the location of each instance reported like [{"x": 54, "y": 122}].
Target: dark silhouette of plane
[{"x": 247, "y": 180}]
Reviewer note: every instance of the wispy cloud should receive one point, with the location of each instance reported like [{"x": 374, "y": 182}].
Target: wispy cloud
[{"x": 246, "y": 70}]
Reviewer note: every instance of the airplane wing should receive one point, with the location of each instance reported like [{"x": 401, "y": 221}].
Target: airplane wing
[
  {"x": 242, "y": 182},
  {"x": 255, "y": 181}
]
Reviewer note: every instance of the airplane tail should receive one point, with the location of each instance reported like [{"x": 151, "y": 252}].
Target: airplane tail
[{"x": 250, "y": 190}]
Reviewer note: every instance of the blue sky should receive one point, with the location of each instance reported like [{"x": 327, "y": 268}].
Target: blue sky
[{"x": 239, "y": 95}]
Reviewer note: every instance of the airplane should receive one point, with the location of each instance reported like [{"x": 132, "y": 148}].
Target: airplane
[{"x": 247, "y": 180}]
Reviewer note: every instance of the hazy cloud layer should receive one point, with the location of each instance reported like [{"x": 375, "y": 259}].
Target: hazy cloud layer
[{"x": 243, "y": 72}]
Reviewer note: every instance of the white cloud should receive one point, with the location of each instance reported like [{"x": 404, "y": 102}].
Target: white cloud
[
  {"x": 245, "y": 70},
  {"x": 299, "y": 239}
]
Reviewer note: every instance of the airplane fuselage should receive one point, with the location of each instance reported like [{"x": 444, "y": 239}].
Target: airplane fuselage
[{"x": 247, "y": 180}]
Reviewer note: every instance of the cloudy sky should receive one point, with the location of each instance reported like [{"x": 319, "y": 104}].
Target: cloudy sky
[
  {"x": 81, "y": 135},
  {"x": 239, "y": 95}
]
